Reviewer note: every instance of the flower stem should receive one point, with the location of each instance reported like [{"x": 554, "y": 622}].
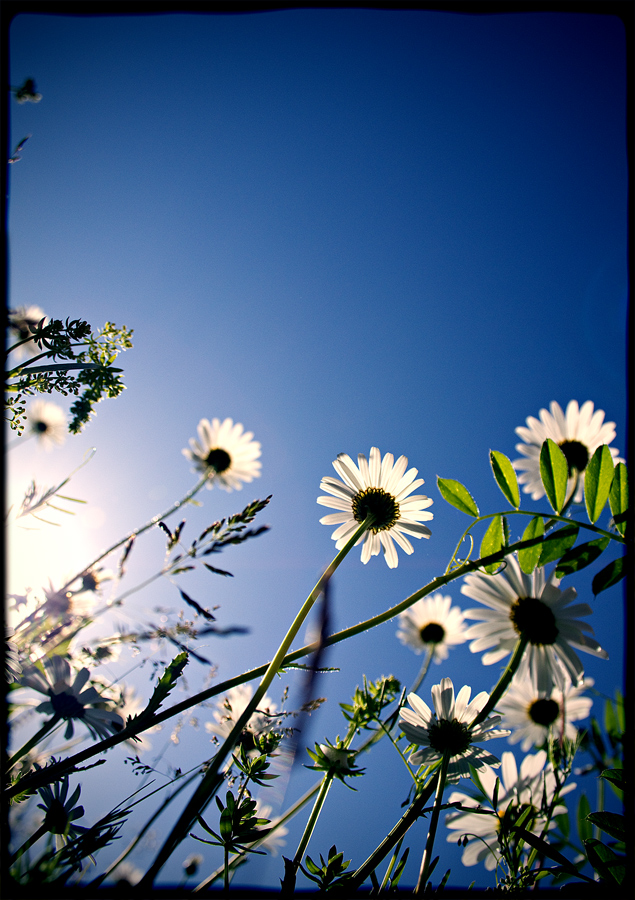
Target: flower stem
[
  {"x": 213, "y": 778},
  {"x": 394, "y": 836},
  {"x": 434, "y": 821},
  {"x": 423, "y": 672},
  {"x": 503, "y": 682},
  {"x": 226, "y": 871},
  {"x": 44, "y": 730},
  {"x": 325, "y": 787}
]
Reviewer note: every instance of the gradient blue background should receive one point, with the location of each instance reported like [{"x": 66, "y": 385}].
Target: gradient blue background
[{"x": 343, "y": 228}]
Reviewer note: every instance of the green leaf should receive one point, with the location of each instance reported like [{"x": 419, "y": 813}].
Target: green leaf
[
  {"x": 584, "y": 828},
  {"x": 562, "y": 821},
  {"x": 548, "y": 850},
  {"x": 609, "y": 575},
  {"x": 615, "y": 777},
  {"x": 554, "y": 473},
  {"x": 457, "y": 495},
  {"x": 505, "y": 477},
  {"x": 218, "y": 571},
  {"x": 394, "y": 881},
  {"x": 528, "y": 558},
  {"x": 618, "y": 497},
  {"x": 610, "y": 721},
  {"x": 165, "y": 684},
  {"x": 597, "y": 482},
  {"x": 581, "y": 556},
  {"x": 620, "y": 710},
  {"x": 610, "y": 823},
  {"x": 557, "y": 543},
  {"x": 493, "y": 541},
  {"x": 605, "y": 862}
]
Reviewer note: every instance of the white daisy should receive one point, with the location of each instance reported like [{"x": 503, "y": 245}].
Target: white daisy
[
  {"x": 578, "y": 433},
  {"x": 226, "y": 453},
  {"x": 192, "y": 863},
  {"x": 449, "y": 728},
  {"x": 68, "y": 701},
  {"x": 534, "y": 786},
  {"x": 64, "y": 604},
  {"x": 381, "y": 488},
  {"x": 22, "y": 322},
  {"x": 533, "y": 714},
  {"x": 432, "y": 623},
  {"x": 93, "y": 579},
  {"x": 264, "y": 720},
  {"x": 60, "y": 812},
  {"x": 534, "y": 607},
  {"x": 47, "y": 422},
  {"x": 125, "y": 875}
]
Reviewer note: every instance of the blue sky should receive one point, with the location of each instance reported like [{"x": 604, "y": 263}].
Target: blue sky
[{"x": 345, "y": 229}]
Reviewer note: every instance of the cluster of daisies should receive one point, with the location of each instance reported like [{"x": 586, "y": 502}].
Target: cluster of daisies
[{"x": 547, "y": 693}]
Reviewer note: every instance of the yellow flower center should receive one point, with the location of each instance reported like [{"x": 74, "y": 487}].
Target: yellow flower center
[
  {"x": 449, "y": 734},
  {"x": 576, "y": 455},
  {"x": 218, "y": 460},
  {"x": 432, "y": 633},
  {"x": 66, "y": 705},
  {"x": 380, "y": 504},
  {"x": 534, "y": 620},
  {"x": 544, "y": 711}
]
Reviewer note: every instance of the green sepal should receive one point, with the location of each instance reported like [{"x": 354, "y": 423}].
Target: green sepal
[
  {"x": 557, "y": 543},
  {"x": 493, "y": 541},
  {"x": 618, "y": 497},
  {"x": 609, "y": 575},
  {"x": 581, "y": 556},
  {"x": 597, "y": 482},
  {"x": 562, "y": 821},
  {"x": 457, "y": 495},
  {"x": 554, "y": 473},
  {"x": 505, "y": 477},
  {"x": 529, "y": 556}
]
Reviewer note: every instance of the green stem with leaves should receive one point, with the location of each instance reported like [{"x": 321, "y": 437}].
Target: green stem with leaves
[
  {"x": 52, "y": 773},
  {"x": 214, "y": 777},
  {"x": 325, "y": 787},
  {"x": 524, "y": 512}
]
